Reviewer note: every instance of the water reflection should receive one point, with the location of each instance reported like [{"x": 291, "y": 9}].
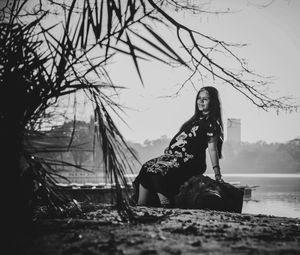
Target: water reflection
[{"x": 276, "y": 194}]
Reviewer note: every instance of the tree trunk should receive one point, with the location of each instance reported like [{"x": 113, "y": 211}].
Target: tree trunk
[{"x": 16, "y": 192}]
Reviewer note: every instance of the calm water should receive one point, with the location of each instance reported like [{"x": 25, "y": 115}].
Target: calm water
[{"x": 276, "y": 194}]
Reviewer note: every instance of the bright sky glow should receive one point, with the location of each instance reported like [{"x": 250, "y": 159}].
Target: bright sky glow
[{"x": 273, "y": 37}]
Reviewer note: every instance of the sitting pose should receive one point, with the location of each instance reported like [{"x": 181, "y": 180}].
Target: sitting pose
[{"x": 185, "y": 155}]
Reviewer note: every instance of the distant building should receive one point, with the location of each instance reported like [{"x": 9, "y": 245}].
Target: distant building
[{"x": 233, "y": 131}]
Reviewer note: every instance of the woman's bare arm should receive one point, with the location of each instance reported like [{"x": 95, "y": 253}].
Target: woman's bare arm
[{"x": 214, "y": 157}]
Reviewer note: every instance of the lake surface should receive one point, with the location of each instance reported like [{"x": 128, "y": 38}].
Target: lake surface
[{"x": 275, "y": 194}]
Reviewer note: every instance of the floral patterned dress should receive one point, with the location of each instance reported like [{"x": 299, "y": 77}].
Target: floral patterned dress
[{"x": 185, "y": 157}]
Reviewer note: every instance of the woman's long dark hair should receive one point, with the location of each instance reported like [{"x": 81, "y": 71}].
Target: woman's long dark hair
[{"x": 214, "y": 113}]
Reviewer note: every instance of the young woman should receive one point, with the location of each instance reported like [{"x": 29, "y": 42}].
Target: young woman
[{"x": 186, "y": 154}]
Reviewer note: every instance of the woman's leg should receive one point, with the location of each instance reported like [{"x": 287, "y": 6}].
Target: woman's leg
[
  {"x": 151, "y": 187},
  {"x": 143, "y": 195},
  {"x": 163, "y": 199}
]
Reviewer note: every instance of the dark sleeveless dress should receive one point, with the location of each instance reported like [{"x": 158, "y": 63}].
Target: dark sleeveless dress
[{"x": 185, "y": 157}]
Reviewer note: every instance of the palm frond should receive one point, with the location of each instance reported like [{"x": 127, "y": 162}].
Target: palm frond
[{"x": 133, "y": 55}]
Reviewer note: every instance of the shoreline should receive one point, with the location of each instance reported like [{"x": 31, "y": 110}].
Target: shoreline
[
  {"x": 166, "y": 231},
  {"x": 262, "y": 175}
]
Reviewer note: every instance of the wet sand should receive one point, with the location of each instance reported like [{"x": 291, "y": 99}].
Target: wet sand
[{"x": 166, "y": 231}]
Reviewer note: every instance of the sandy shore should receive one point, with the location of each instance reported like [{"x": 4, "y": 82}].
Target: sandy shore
[{"x": 166, "y": 231}]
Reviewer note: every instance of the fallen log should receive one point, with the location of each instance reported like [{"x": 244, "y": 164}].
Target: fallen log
[{"x": 202, "y": 192}]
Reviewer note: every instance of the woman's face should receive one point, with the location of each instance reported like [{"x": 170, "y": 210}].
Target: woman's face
[{"x": 203, "y": 102}]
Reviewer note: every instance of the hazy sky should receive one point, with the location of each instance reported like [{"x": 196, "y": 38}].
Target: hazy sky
[{"x": 273, "y": 37}]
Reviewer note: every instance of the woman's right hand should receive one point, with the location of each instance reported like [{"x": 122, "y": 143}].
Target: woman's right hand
[{"x": 218, "y": 178}]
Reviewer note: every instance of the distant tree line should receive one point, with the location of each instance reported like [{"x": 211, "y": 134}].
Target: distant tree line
[
  {"x": 259, "y": 157},
  {"x": 262, "y": 157},
  {"x": 73, "y": 143}
]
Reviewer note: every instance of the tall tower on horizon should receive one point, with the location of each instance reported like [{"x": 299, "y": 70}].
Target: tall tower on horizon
[{"x": 234, "y": 130}]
